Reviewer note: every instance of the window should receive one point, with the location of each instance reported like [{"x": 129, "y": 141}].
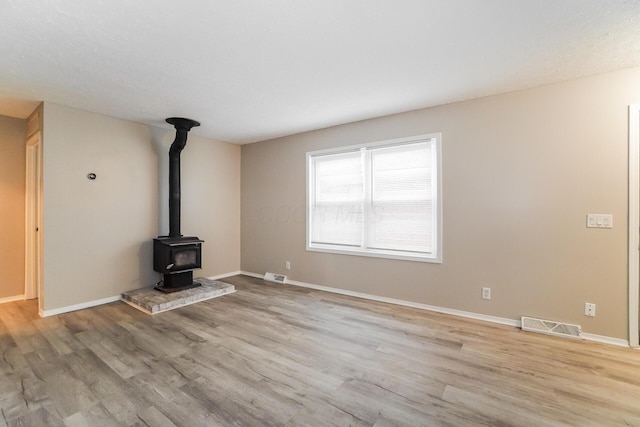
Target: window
[{"x": 380, "y": 199}]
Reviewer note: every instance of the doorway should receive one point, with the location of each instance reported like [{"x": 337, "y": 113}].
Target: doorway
[
  {"x": 33, "y": 223},
  {"x": 634, "y": 225}
]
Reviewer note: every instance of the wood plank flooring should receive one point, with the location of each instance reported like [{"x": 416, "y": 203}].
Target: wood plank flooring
[{"x": 281, "y": 355}]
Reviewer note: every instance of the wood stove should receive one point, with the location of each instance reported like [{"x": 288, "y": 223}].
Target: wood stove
[{"x": 176, "y": 256}]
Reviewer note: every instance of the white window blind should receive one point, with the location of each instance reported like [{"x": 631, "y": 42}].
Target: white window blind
[
  {"x": 379, "y": 199},
  {"x": 338, "y": 213}
]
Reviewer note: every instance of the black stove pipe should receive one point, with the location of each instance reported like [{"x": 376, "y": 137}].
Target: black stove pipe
[{"x": 183, "y": 126}]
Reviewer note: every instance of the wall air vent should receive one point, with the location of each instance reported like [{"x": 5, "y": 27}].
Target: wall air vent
[
  {"x": 551, "y": 328},
  {"x": 277, "y": 278}
]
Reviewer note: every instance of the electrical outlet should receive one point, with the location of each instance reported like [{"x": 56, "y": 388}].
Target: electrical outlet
[
  {"x": 287, "y": 265},
  {"x": 486, "y": 293},
  {"x": 589, "y": 309}
]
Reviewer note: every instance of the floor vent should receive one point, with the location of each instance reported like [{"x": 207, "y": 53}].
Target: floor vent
[
  {"x": 278, "y": 278},
  {"x": 550, "y": 327}
]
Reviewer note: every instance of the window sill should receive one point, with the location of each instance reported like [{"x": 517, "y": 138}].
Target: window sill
[{"x": 376, "y": 254}]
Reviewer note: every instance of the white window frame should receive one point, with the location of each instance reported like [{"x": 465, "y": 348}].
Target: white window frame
[{"x": 435, "y": 256}]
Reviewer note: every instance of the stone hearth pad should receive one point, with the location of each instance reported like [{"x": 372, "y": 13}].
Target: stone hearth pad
[{"x": 153, "y": 302}]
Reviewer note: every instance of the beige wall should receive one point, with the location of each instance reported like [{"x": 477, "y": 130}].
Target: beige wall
[
  {"x": 520, "y": 173},
  {"x": 12, "y": 202},
  {"x": 210, "y": 199},
  {"x": 97, "y": 234}
]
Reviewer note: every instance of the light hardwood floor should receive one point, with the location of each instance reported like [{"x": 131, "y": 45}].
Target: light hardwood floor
[{"x": 281, "y": 355}]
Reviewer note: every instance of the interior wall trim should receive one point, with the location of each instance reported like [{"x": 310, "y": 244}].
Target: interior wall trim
[
  {"x": 75, "y": 307},
  {"x": 222, "y": 276},
  {"x": 12, "y": 299},
  {"x": 460, "y": 313},
  {"x": 634, "y": 225},
  {"x": 89, "y": 304}
]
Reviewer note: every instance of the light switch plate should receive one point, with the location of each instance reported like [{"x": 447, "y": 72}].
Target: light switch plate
[{"x": 599, "y": 221}]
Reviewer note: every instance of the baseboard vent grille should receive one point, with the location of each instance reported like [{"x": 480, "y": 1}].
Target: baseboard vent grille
[
  {"x": 550, "y": 327},
  {"x": 277, "y": 278}
]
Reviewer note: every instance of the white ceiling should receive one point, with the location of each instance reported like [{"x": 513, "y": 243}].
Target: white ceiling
[{"x": 251, "y": 70}]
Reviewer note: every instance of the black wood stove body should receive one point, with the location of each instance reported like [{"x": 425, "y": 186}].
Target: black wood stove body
[{"x": 176, "y": 256}]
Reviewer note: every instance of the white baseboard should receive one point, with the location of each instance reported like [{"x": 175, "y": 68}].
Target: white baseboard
[
  {"x": 605, "y": 340},
  {"x": 75, "y": 307},
  {"x": 257, "y": 276},
  {"x": 470, "y": 315},
  {"x": 88, "y": 304},
  {"x": 12, "y": 299},
  {"x": 222, "y": 276}
]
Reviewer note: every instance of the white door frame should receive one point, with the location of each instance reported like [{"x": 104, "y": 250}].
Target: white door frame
[
  {"x": 634, "y": 223},
  {"x": 33, "y": 217}
]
